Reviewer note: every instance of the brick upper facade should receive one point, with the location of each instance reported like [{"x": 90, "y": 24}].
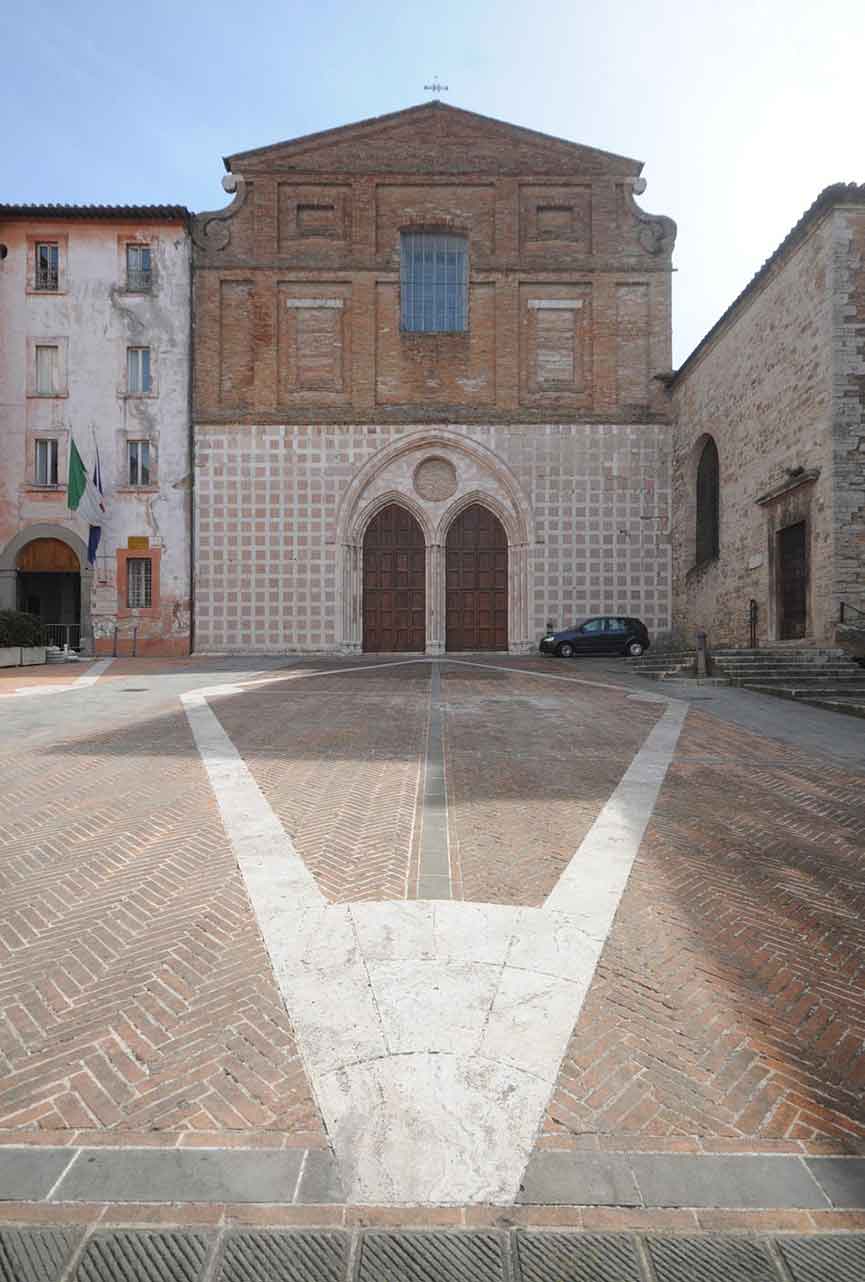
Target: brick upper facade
[{"x": 297, "y": 283}]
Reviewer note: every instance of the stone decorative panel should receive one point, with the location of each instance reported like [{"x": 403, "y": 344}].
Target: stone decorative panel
[
  {"x": 557, "y": 344},
  {"x": 269, "y": 500},
  {"x": 556, "y": 219},
  {"x": 314, "y": 344},
  {"x": 310, "y": 218},
  {"x": 435, "y": 479}
]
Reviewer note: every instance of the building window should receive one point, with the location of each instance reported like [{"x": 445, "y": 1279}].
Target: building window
[
  {"x": 138, "y": 454},
  {"x": 434, "y": 275},
  {"x": 46, "y": 462},
  {"x": 47, "y": 267},
  {"x": 47, "y": 364},
  {"x": 139, "y": 582},
  {"x": 138, "y": 371},
  {"x": 138, "y": 271},
  {"x": 708, "y": 504}
]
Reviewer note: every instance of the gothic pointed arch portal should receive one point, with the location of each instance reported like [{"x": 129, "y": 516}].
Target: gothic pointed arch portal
[
  {"x": 433, "y": 475},
  {"x": 476, "y": 584},
  {"x": 394, "y": 582}
]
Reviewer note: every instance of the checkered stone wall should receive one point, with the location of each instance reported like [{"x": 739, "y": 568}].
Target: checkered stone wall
[{"x": 270, "y": 501}]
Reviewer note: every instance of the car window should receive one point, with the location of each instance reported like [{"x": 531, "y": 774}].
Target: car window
[
  {"x": 593, "y": 625},
  {"x": 616, "y": 625}
]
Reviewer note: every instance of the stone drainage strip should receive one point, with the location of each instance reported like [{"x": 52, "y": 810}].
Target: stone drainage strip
[
  {"x": 259, "y": 1255},
  {"x": 311, "y": 1177}
]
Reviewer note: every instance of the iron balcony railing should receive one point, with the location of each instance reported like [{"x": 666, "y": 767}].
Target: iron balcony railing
[
  {"x": 139, "y": 279},
  {"x": 848, "y": 609},
  {"x": 47, "y": 278}
]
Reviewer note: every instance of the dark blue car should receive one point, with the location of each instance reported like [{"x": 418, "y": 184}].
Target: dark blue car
[{"x": 604, "y": 634}]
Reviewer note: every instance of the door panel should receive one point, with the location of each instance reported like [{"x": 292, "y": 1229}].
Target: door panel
[
  {"x": 477, "y": 582},
  {"x": 394, "y": 582},
  {"x": 792, "y": 582}
]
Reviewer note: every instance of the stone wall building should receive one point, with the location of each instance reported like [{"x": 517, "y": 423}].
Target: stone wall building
[
  {"x": 95, "y": 322},
  {"x": 769, "y": 443},
  {"x": 428, "y": 407}
]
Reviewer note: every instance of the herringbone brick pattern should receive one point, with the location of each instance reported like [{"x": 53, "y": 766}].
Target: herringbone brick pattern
[
  {"x": 135, "y": 993},
  {"x": 529, "y": 766},
  {"x": 730, "y": 998},
  {"x": 339, "y": 758}
]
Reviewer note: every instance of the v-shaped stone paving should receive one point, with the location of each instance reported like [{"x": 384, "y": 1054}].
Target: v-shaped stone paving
[{"x": 432, "y": 1032}]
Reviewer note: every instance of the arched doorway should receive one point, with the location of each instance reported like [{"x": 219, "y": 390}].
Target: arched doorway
[
  {"x": 49, "y": 586},
  {"x": 476, "y": 582},
  {"x": 394, "y": 582}
]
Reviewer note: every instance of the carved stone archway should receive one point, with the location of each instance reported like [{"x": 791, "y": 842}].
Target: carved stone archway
[{"x": 396, "y": 474}]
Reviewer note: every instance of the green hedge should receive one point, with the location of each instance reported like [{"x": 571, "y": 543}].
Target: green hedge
[{"x": 18, "y": 628}]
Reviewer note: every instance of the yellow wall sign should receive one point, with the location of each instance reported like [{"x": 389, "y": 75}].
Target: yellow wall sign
[{"x": 137, "y": 543}]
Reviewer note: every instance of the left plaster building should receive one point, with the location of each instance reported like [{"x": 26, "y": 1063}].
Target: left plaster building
[{"x": 95, "y": 328}]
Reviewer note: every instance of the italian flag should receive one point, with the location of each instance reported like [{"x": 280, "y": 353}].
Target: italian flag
[{"x": 84, "y": 497}]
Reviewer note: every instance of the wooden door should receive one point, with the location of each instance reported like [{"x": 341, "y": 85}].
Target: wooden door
[
  {"x": 477, "y": 582},
  {"x": 394, "y": 582},
  {"x": 792, "y": 582}
]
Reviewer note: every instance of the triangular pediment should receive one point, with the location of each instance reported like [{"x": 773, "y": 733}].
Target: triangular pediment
[{"x": 432, "y": 138}]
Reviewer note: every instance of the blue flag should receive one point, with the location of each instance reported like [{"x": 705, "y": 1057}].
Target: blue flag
[{"x": 95, "y": 530}]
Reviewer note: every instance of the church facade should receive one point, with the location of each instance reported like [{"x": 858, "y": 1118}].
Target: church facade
[{"x": 430, "y": 408}]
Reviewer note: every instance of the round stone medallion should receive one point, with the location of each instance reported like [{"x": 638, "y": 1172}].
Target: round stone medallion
[{"x": 435, "y": 479}]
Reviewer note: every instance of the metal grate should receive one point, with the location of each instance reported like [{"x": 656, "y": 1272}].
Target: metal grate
[
  {"x": 62, "y": 635},
  {"x": 139, "y": 277},
  {"x": 139, "y": 582},
  {"x": 47, "y": 267},
  {"x": 433, "y": 282}
]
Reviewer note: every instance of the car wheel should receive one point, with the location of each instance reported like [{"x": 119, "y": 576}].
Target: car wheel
[
  {"x": 565, "y": 650},
  {"x": 634, "y": 649}
]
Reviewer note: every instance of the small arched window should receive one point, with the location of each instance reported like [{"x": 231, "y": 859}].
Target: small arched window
[
  {"x": 434, "y": 282},
  {"x": 708, "y": 506}
]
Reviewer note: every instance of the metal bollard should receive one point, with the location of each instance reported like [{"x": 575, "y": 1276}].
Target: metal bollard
[{"x": 702, "y": 669}]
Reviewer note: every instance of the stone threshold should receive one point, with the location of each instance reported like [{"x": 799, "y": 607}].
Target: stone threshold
[
  {"x": 257, "y": 1254},
  {"x": 630, "y": 1181}
]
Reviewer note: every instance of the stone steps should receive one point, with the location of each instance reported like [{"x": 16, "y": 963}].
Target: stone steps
[
  {"x": 657, "y": 664},
  {"x": 822, "y": 677}
]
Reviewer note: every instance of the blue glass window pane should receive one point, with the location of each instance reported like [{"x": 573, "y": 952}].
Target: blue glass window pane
[{"x": 433, "y": 282}]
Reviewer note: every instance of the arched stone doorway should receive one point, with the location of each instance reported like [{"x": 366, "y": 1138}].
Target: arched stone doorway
[
  {"x": 435, "y": 474},
  {"x": 476, "y": 581},
  {"x": 394, "y": 582},
  {"x": 48, "y": 562}
]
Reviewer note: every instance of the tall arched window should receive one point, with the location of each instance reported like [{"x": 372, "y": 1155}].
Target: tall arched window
[
  {"x": 708, "y": 507},
  {"x": 434, "y": 282}
]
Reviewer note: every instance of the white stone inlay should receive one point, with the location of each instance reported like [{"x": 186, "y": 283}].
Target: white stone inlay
[
  {"x": 94, "y": 672},
  {"x": 555, "y": 304},
  {"x": 432, "y": 1031},
  {"x": 315, "y": 302}
]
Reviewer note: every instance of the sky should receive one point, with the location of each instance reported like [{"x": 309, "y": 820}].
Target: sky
[{"x": 742, "y": 112}]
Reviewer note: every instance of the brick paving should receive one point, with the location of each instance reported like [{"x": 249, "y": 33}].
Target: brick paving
[
  {"x": 726, "y": 1015},
  {"x": 135, "y": 995},
  {"x": 339, "y": 758},
  {"x": 529, "y": 766},
  {"x": 729, "y": 1002}
]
